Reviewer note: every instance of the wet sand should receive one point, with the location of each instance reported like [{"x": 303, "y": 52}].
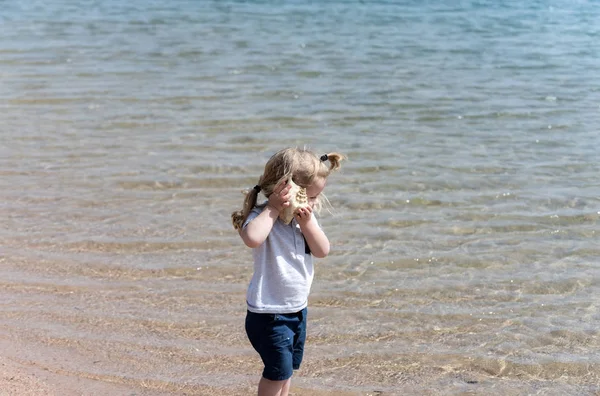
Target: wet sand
[
  {"x": 69, "y": 328},
  {"x": 121, "y": 331},
  {"x": 31, "y": 379},
  {"x": 19, "y": 377}
]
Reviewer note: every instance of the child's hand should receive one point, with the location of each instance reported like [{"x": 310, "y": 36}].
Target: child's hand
[
  {"x": 303, "y": 215},
  {"x": 280, "y": 196}
]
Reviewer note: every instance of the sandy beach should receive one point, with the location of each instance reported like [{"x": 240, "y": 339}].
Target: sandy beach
[
  {"x": 26, "y": 377},
  {"x": 30, "y": 378},
  {"x": 18, "y": 379},
  {"x": 67, "y": 340}
]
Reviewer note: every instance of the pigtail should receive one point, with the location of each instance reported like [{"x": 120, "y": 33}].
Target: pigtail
[
  {"x": 334, "y": 161},
  {"x": 239, "y": 217}
]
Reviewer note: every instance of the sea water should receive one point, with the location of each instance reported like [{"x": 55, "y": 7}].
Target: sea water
[{"x": 464, "y": 224}]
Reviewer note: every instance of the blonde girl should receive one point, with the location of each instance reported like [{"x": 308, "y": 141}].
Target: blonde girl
[{"x": 277, "y": 296}]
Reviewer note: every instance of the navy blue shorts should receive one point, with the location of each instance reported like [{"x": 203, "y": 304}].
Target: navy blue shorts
[{"x": 279, "y": 340}]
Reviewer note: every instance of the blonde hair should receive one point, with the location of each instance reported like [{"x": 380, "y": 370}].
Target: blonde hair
[{"x": 302, "y": 165}]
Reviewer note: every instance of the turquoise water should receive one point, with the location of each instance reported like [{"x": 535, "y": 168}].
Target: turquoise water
[{"x": 464, "y": 225}]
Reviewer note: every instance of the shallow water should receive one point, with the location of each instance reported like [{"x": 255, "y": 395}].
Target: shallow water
[{"x": 464, "y": 225}]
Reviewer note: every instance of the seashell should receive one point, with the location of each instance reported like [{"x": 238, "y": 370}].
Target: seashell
[{"x": 298, "y": 200}]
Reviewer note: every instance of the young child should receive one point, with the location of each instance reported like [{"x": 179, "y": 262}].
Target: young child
[{"x": 283, "y": 267}]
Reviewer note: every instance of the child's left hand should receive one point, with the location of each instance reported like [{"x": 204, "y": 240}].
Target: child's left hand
[{"x": 303, "y": 215}]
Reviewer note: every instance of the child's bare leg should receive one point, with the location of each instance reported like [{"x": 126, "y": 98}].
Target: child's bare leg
[
  {"x": 273, "y": 388},
  {"x": 286, "y": 387}
]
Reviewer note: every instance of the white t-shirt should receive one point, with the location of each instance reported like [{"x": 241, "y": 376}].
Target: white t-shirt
[{"x": 283, "y": 269}]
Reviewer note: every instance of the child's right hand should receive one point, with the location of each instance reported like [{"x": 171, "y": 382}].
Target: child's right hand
[{"x": 280, "y": 196}]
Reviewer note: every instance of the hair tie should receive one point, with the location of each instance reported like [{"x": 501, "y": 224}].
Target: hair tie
[
  {"x": 257, "y": 188},
  {"x": 324, "y": 157}
]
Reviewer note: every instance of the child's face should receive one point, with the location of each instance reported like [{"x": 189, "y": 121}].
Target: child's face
[{"x": 314, "y": 190}]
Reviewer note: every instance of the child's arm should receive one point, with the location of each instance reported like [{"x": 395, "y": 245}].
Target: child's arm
[
  {"x": 255, "y": 233},
  {"x": 314, "y": 235},
  {"x": 257, "y": 230}
]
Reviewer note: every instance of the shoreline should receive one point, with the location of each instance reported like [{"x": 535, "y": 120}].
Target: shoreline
[
  {"x": 30, "y": 378},
  {"x": 21, "y": 374},
  {"x": 27, "y": 379}
]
